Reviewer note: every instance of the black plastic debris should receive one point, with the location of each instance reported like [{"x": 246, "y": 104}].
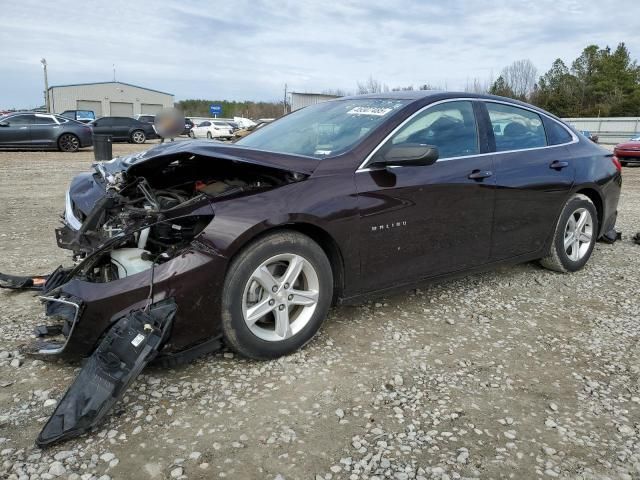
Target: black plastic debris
[
  {"x": 611, "y": 236},
  {"x": 15, "y": 282},
  {"x": 126, "y": 349}
]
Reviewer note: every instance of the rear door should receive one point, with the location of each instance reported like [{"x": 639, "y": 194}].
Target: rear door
[
  {"x": 44, "y": 130},
  {"x": 424, "y": 221},
  {"x": 533, "y": 179},
  {"x": 16, "y": 130},
  {"x": 103, "y": 126},
  {"x": 121, "y": 127}
]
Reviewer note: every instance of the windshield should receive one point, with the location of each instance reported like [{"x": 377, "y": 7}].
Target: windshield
[{"x": 325, "y": 129}]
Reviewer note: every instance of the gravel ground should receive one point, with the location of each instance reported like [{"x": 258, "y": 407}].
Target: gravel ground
[{"x": 516, "y": 373}]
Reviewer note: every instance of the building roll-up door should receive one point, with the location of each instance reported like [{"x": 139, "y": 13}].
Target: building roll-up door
[
  {"x": 90, "y": 105},
  {"x": 150, "y": 108},
  {"x": 121, "y": 109}
]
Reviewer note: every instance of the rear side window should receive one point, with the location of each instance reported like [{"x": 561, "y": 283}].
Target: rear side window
[
  {"x": 556, "y": 133},
  {"x": 515, "y": 128},
  {"x": 44, "y": 120},
  {"x": 450, "y": 126}
]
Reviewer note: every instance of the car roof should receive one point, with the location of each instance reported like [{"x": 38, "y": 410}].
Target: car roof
[{"x": 437, "y": 95}]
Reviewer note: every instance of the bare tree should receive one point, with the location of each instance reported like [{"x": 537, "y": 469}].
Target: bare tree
[
  {"x": 520, "y": 77},
  {"x": 338, "y": 92},
  {"x": 371, "y": 86},
  {"x": 477, "y": 85},
  {"x": 408, "y": 88}
]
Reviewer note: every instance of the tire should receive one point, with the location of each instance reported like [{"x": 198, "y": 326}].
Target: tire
[
  {"x": 138, "y": 136},
  {"x": 624, "y": 164},
  {"x": 68, "y": 142},
  {"x": 191, "y": 134},
  {"x": 576, "y": 253},
  {"x": 209, "y": 136},
  {"x": 285, "y": 316}
]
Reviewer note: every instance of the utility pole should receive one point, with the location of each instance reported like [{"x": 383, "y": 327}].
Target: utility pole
[
  {"x": 114, "y": 72},
  {"x": 46, "y": 85},
  {"x": 285, "y": 98}
]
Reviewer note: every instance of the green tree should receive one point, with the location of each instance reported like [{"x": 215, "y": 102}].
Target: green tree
[{"x": 501, "y": 88}]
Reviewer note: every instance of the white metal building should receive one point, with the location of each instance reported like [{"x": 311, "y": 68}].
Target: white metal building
[
  {"x": 300, "y": 100},
  {"x": 108, "y": 99}
]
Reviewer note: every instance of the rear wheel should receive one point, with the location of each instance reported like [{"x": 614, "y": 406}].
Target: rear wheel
[
  {"x": 68, "y": 142},
  {"x": 624, "y": 164},
  {"x": 575, "y": 236},
  {"x": 138, "y": 136},
  {"x": 276, "y": 295}
]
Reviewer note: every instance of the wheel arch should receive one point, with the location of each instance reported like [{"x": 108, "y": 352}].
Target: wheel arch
[
  {"x": 62, "y": 134},
  {"x": 319, "y": 235},
  {"x": 595, "y": 196}
]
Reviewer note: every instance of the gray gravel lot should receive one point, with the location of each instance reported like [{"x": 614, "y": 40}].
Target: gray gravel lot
[{"x": 516, "y": 373}]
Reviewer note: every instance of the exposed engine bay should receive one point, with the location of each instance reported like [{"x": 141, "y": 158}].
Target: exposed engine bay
[{"x": 150, "y": 214}]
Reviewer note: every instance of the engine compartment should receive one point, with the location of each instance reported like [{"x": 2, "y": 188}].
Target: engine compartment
[{"x": 147, "y": 215}]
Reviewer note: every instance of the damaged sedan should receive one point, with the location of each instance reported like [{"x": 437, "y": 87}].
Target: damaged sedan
[{"x": 192, "y": 245}]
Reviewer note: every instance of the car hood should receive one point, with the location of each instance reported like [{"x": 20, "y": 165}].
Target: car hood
[
  {"x": 633, "y": 145},
  {"x": 165, "y": 153}
]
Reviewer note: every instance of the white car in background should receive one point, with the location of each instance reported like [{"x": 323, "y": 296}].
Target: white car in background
[{"x": 212, "y": 129}]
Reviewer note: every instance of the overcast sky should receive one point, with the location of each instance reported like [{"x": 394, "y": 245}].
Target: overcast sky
[{"x": 249, "y": 49}]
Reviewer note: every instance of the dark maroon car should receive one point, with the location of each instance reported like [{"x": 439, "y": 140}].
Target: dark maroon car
[{"x": 195, "y": 243}]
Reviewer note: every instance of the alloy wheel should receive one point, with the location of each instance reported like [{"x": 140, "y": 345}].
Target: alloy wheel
[
  {"x": 280, "y": 297},
  {"x": 578, "y": 233},
  {"x": 69, "y": 143},
  {"x": 138, "y": 137}
]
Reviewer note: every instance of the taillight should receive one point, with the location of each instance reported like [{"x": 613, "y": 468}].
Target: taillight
[{"x": 617, "y": 163}]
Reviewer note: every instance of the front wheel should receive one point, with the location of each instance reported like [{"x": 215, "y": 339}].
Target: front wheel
[
  {"x": 209, "y": 136},
  {"x": 138, "y": 136},
  {"x": 575, "y": 236},
  {"x": 276, "y": 295},
  {"x": 68, "y": 143}
]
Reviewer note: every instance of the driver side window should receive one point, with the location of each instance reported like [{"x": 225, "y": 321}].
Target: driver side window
[{"x": 450, "y": 126}]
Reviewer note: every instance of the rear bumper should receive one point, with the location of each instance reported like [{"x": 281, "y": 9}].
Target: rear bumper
[{"x": 629, "y": 156}]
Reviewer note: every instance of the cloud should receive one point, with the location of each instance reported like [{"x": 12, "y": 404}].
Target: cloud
[{"x": 248, "y": 49}]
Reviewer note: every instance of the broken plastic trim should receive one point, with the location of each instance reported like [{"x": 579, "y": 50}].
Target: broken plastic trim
[
  {"x": 55, "y": 351},
  {"x": 126, "y": 349}
]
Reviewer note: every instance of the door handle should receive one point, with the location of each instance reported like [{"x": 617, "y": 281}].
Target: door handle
[
  {"x": 479, "y": 174},
  {"x": 558, "y": 164}
]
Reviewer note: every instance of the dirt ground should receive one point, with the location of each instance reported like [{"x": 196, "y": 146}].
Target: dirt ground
[{"x": 517, "y": 373}]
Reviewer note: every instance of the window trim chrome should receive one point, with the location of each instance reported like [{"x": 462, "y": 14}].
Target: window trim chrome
[{"x": 574, "y": 138}]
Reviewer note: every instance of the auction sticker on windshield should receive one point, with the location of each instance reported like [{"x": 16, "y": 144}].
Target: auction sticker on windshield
[{"x": 377, "y": 111}]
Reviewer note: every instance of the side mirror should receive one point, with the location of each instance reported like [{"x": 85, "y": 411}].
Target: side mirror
[
  {"x": 409, "y": 154},
  {"x": 4, "y": 124}
]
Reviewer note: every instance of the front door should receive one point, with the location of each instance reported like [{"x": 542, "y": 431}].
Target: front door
[
  {"x": 15, "y": 130},
  {"x": 423, "y": 221}
]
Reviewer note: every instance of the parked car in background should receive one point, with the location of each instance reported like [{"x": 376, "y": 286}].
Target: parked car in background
[
  {"x": 124, "y": 129},
  {"x": 243, "y": 132},
  {"x": 594, "y": 138},
  {"x": 188, "y": 125},
  {"x": 628, "y": 152},
  {"x": 43, "y": 131},
  {"x": 212, "y": 129},
  {"x": 84, "y": 116}
]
